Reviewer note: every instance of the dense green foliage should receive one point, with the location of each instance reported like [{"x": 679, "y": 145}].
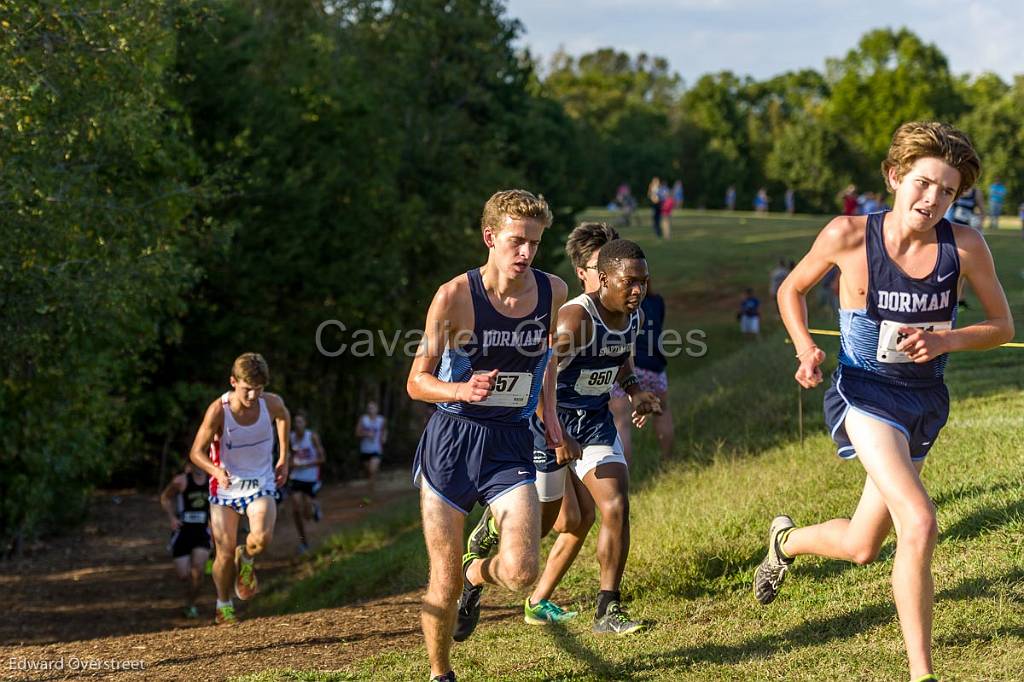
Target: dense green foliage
[
  {"x": 98, "y": 235},
  {"x": 186, "y": 181}
]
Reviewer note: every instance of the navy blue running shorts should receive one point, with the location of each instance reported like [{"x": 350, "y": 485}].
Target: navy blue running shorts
[
  {"x": 919, "y": 411},
  {"x": 588, "y": 427},
  {"x": 465, "y": 461}
]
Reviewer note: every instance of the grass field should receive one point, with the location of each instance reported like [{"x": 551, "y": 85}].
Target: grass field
[{"x": 699, "y": 521}]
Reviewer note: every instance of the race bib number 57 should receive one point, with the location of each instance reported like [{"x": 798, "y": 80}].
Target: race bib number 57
[
  {"x": 511, "y": 389},
  {"x": 889, "y": 337}
]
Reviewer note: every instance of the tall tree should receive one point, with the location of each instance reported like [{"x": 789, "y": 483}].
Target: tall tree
[
  {"x": 97, "y": 241},
  {"x": 890, "y": 77},
  {"x": 623, "y": 104},
  {"x": 994, "y": 125},
  {"x": 714, "y": 116}
]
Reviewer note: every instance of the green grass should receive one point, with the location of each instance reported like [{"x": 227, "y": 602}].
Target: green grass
[{"x": 698, "y": 523}]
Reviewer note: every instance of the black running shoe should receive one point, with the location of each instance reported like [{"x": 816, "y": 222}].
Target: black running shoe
[
  {"x": 469, "y": 613},
  {"x": 447, "y": 677},
  {"x": 771, "y": 573},
  {"x": 616, "y": 621}
]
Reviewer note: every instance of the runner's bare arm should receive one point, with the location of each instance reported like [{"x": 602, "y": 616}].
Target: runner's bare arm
[
  {"x": 840, "y": 234},
  {"x": 212, "y": 426},
  {"x": 644, "y": 403},
  {"x": 442, "y": 328},
  {"x": 549, "y": 386},
  {"x": 549, "y": 398},
  {"x": 573, "y": 326},
  {"x": 321, "y": 455},
  {"x": 174, "y": 488},
  {"x": 283, "y": 422},
  {"x": 572, "y": 331},
  {"x": 977, "y": 267},
  {"x": 629, "y": 367}
]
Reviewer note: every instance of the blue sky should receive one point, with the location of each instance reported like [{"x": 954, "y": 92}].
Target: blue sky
[{"x": 767, "y": 37}]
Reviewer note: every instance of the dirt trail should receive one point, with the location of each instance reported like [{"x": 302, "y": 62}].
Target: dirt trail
[{"x": 108, "y": 594}]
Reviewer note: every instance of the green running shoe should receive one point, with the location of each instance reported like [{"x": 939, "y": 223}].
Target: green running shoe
[
  {"x": 616, "y": 621},
  {"x": 226, "y": 616},
  {"x": 771, "y": 573},
  {"x": 246, "y": 584},
  {"x": 482, "y": 539},
  {"x": 545, "y": 612}
]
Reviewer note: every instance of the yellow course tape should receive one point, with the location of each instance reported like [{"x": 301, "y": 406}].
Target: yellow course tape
[{"x": 832, "y": 332}]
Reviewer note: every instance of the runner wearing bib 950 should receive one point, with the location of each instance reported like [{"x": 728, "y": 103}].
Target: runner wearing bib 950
[
  {"x": 238, "y": 432},
  {"x": 594, "y": 342},
  {"x": 482, "y": 362},
  {"x": 900, "y": 275}
]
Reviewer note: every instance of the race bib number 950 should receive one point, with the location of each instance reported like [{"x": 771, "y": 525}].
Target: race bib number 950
[
  {"x": 889, "y": 337},
  {"x": 596, "y": 381},
  {"x": 511, "y": 389}
]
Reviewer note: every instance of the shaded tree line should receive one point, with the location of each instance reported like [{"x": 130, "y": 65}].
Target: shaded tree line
[
  {"x": 810, "y": 131},
  {"x": 186, "y": 181}
]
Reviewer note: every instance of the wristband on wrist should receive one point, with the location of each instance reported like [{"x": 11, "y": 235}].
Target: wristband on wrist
[{"x": 631, "y": 380}]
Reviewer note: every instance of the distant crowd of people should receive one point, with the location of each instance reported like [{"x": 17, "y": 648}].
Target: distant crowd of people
[
  {"x": 969, "y": 209},
  {"x": 665, "y": 198}
]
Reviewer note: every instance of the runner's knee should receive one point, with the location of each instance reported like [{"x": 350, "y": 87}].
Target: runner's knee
[
  {"x": 443, "y": 589},
  {"x": 257, "y": 542},
  {"x": 568, "y": 519},
  {"x": 862, "y": 553},
  {"x": 920, "y": 528},
  {"x": 522, "y": 573},
  {"x": 615, "y": 510}
]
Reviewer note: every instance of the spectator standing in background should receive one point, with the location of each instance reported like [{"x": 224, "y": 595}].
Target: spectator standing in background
[
  {"x": 730, "y": 198},
  {"x": 655, "y": 195},
  {"x": 996, "y": 198}
]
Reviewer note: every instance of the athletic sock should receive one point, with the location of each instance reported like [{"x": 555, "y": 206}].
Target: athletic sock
[
  {"x": 780, "y": 540},
  {"x": 222, "y": 604},
  {"x": 604, "y": 598}
]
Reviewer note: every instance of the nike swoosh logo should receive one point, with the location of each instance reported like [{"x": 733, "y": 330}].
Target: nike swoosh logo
[
  {"x": 247, "y": 445},
  {"x": 523, "y": 473},
  {"x": 942, "y": 277},
  {"x": 540, "y": 317}
]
